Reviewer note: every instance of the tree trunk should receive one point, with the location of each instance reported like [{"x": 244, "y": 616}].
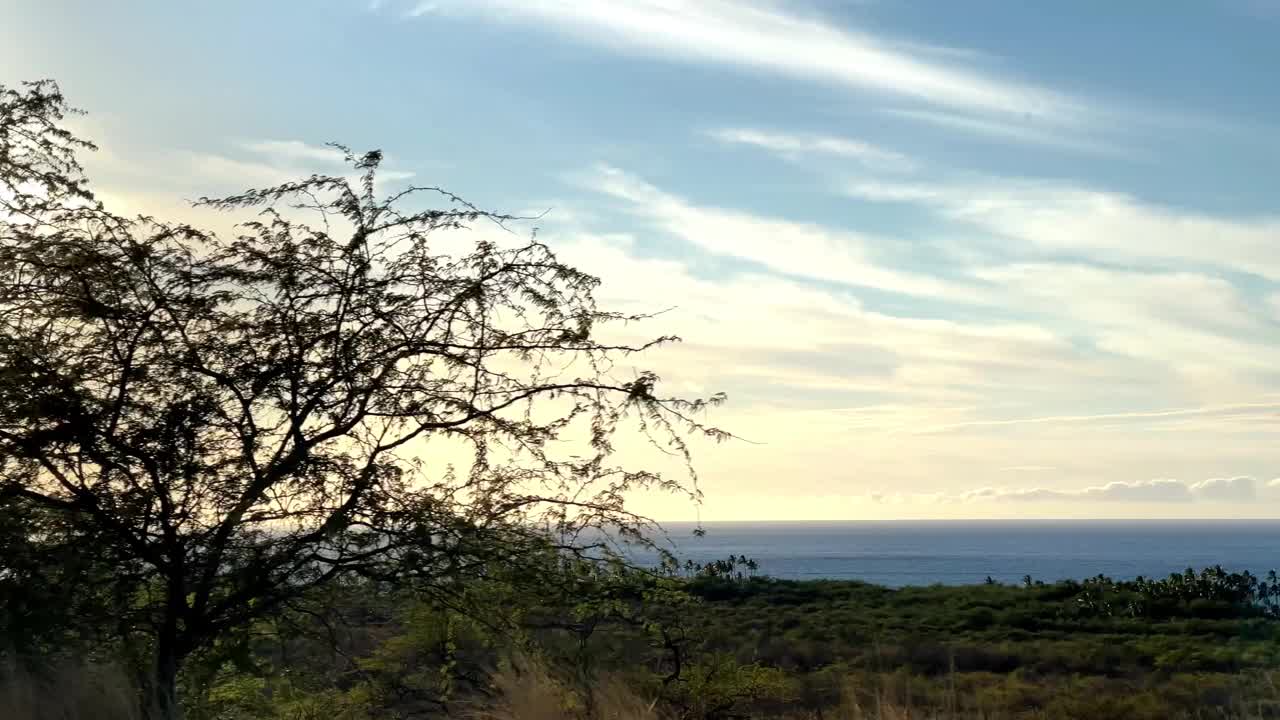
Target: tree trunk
[{"x": 162, "y": 695}]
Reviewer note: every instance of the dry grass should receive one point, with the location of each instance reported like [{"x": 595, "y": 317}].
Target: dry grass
[
  {"x": 67, "y": 692},
  {"x": 883, "y": 705},
  {"x": 527, "y": 691}
]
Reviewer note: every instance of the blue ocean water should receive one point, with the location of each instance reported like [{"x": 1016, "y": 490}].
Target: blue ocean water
[{"x": 960, "y": 553}]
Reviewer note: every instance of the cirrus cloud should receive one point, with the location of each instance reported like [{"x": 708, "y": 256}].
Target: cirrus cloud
[{"x": 764, "y": 36}]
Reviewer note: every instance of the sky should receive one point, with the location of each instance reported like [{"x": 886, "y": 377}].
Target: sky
[{"x": 978, "y": 259}]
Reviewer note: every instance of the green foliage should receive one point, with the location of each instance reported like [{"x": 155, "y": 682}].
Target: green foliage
[
  {"x": 720, "y": 687},
  {"x": 716, "y": 646}
]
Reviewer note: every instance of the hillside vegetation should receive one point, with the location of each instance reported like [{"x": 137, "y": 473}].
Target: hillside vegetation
[{"x": 575, "y": 641}]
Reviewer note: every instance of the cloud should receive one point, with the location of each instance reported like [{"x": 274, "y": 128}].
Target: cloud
[
  {"x": 762, "y": 36},
  {"x": 783, "y": 246},
  {"x": 264, "y": 163},
  {"x": 1234, "y": 489},
  {"x": 1246, "y": 410},
  {"x": 792, "y": 147},
  {"x": 1070, "y": 336},
  {"x": 165, "y": 183},
  {"x": 1199, "y": 326},
  {"x": 1140, "y": 491},
  {"x": 780, "y": 341},
  {"x": 1239, "y": 490},
  {"x": 1265, "y": 9},
  {"x": 294, "y": 151},
  {"x": 1052, "y": 217},
  {"x": 1023, "y": 129},
  {"x": 297, "y": 156}
]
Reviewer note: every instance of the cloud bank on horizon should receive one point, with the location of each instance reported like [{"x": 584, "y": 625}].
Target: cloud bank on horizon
[{"x": 946, "y": 260}]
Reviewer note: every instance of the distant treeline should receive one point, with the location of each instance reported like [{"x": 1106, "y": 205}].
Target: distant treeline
[{"x": 1213, "y": 592}]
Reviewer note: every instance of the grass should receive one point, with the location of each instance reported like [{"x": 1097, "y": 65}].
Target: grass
[
  {"x": 535, "y": 694},
  {"x": 67, "y": 691},
  {"x": 526, "y": 690},
  {"x": 529, "y": 690}
]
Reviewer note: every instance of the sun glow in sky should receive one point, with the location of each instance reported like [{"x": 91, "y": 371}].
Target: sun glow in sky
[{"x": 979, "y": 259}]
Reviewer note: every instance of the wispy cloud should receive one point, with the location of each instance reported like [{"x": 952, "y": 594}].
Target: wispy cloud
[
  {"x": 295, "y": 151},
  {"x": 1194, "y": 324},
  {"x": 293, "y": 156},
  {"x": 783, "y": 246},
  {"x": 252, "y": 164},
  {"x": 1266, "y": 410},
  {"x": 797, "y": 146},
  {"x": 777, "y": 335},
  {"x": 1023, "y": 129},
  {"x": 1105, "y": 226},
  {"x": 1266, "y": 9},
  {"x": 763, "y": 36}
]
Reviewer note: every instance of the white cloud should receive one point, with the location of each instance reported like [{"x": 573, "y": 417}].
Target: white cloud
[
  {"x": 1104, "y": 226},
  {"x": 1078, "y": 337},
  {"x": 1023, "y": 129},
  {"x": 1264, "y": 9},
  {"x": 265, "y": 163},
  {"x": 1233, "y": 489},
  {"x": 783, "y": 246},
  {"x": 294, "y": 156},
  {"x": 793, "y": 146},
  {"x": 1200, "y": 326},
  {"x": 736, "y": 309},
  {"x": 1265, "y": 411},
  {"x": 217, "y": 173},
  {"x": 763, "y": 36},
  {"x": 295, "y": 152},
  {"x": 1139, "y": 491},
  {"x": 774, "y": 341}
]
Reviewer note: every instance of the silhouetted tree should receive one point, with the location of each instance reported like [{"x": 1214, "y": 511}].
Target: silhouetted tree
[{"x": 235, "y": 421}]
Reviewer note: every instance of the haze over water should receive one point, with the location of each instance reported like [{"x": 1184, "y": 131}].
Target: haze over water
[{"x": 899, "y": 553}]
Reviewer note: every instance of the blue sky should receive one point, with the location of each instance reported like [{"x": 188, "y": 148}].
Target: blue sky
[{"x": 974, "y": 259}]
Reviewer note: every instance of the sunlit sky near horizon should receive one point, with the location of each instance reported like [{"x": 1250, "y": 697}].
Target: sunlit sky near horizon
[{"x": 948, "y": 259}]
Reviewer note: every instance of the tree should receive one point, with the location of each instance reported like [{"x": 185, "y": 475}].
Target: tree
[{"x": 239, "y": 421}]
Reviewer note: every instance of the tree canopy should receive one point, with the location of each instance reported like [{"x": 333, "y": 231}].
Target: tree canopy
[{"x": 235, "y": 420}]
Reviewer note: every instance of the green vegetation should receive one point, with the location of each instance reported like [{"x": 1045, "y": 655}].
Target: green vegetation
[
  {"x": 710, "y": 646},
  {"x": 581, "y": 640}
]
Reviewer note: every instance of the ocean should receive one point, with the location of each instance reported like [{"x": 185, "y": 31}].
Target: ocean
[{"x": 903, "y": 553}]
